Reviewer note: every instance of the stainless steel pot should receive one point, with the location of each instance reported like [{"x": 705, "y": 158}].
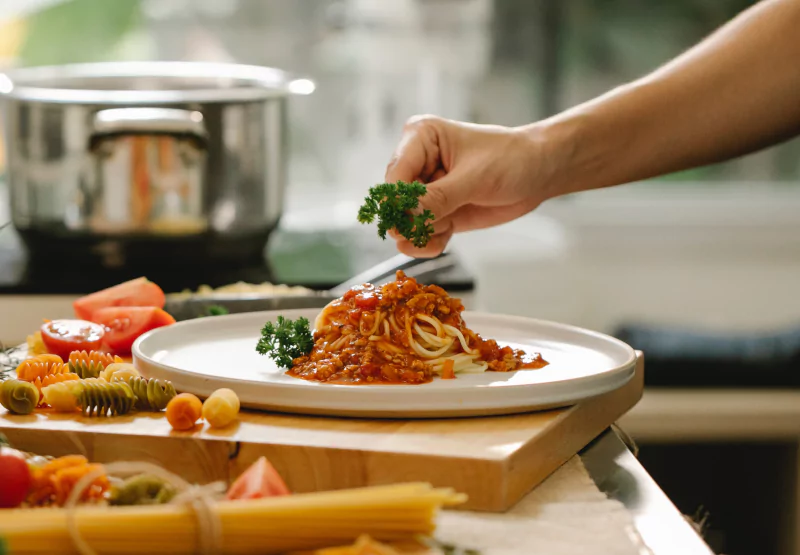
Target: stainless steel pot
[{"x": 125, "y": 163}]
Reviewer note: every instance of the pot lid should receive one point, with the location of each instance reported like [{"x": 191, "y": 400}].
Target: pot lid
[{"x": 127, "y": 83}]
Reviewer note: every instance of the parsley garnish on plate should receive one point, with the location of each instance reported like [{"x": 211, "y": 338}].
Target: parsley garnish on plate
[
  {"x": 285, "y": 340},
  {"x": 391, "y": 204}
]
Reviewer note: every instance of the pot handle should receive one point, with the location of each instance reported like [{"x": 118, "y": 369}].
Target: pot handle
[{"x": 173, "y": 121}]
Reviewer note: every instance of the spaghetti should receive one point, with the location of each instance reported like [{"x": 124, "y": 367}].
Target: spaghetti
[{"x": 402, "y": 332}]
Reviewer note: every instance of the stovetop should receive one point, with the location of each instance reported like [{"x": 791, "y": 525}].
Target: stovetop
[{"x": 318, "y": 260}]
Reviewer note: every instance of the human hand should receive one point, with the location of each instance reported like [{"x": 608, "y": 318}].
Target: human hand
[{"x": 478, "y": 175}]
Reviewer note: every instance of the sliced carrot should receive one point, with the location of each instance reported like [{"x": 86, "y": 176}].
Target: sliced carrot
[{"x": 448, "y": 372}]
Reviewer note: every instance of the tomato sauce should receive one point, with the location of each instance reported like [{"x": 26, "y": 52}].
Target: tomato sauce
[{"x": 366, "y": 337}]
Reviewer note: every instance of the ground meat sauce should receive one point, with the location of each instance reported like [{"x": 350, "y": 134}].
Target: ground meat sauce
[{"x": 363, "y": 337}]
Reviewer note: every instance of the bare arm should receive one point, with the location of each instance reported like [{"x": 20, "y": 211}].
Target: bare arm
[{"x": 734, "y": 93}]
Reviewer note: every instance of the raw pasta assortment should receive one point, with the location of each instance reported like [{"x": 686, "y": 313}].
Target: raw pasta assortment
[
  {"x": 97, "y": 384},
  {"x": 80, "y": 365},
  {"x": 103, "y": 508}
]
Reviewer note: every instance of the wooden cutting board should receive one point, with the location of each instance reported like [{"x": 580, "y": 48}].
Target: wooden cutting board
[{"x": 495, "y": 460}]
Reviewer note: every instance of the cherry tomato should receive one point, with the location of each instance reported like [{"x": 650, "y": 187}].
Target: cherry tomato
[
  {"x": 137, "y": 292},
  {"x": 367, "y": 301},
  {"x": 61, "y": 337},
  {"x": 124, "y": 324},
  {"x": 16, "y": 479},
  {"x": 260, "y": 480}
]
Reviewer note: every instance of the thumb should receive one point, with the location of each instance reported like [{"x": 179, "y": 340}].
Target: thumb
[{"x": 446, "y": 195}]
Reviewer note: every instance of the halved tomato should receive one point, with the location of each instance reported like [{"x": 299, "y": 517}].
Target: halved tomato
[
  {"x": 124, "y": 324},
  {"x": 260, "y": 480},
  {"x": 16, "y": 478},
  {"x": 61, "y": 337},
  {"x": 137, "y": 292}
]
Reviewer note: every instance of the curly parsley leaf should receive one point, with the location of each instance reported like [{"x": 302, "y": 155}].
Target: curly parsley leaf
[
  {"x": 391, "y": 204},
  {"x": 285, "y": 340}
]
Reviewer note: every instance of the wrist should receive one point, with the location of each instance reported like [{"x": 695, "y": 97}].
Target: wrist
[{"x": 556, "y": 153}]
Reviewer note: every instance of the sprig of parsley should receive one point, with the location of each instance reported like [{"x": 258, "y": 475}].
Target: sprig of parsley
[
  {"x": 391, "y": 204},
  {"x": 285, "y": 340}
]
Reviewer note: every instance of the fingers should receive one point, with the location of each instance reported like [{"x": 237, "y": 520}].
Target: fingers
[
  {"x": 472, "y": 217},
  {"x": 466, "y": 218},
  {"x": 434, "y": 248},
  {"x": 417, "y": 155}
]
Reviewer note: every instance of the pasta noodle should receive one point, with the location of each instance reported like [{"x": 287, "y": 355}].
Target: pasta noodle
[
  {"x": 53, "y": 482},
  {"x": 41, "y": 366},
  {"x": 402, "y": 332},
  {"x": 151, "y": 394},
  {"x": 144, "y": 489},
  {"x": 119, "y": 370},
  {"x": 221, "y": 408},
  {"x": 90, "y": 364},
  {"x": 41, "y": 383},
  {"x": 101, "y": 398},
  {"x": 60, "y": 396},
  {"x": 93, "y": 396},
  {"x": 36, "y": 344},
  {"x": 363, "y": 546},
  {"x": 267, "y": 526},
  {"x": 183, "y": 411},
  {"x": 18, "y": 397}
]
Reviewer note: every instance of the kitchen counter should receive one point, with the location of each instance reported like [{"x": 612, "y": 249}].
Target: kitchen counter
[{"x": 619, "y": 475}]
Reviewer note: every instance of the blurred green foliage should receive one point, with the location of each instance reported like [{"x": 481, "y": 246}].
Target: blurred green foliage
[{"x": 78, "y": 31}]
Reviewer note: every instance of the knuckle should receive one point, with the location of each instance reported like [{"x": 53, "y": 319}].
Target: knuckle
[{"x": 420, "y": 120}]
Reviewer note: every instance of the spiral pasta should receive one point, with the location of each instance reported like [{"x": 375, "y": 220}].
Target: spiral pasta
[
  {"x": 52, "y": 483},
  {"x": 100, "y": 398},
  {"x": 151, "y": 394},
  {"x": 41, "y": 366},
  {"x": 61, "y": 396},
  {"x": 41, "y": 383},
  {"x": 19, "y": 397},
  {"x": 90, "y": 364},
  {"x": 121, "y": 370},
  {"x": 144, "y": 489}
]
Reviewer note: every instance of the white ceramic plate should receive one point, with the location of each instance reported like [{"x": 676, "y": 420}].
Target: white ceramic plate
[{"x": 205, "y": 354}]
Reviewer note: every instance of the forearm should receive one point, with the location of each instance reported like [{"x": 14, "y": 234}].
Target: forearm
[{"x": 736, "y": 92}]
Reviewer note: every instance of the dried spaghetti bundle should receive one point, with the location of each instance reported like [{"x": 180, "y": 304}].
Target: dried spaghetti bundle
[
  {"x": 259, "y": 526},
  {"x": 41, "y": 366}
]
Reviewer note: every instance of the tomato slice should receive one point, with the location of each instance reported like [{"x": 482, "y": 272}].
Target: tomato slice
[
  {"x": 367, "y": 300},
  {"x": 124, "y": 324},
  {"x": 61, "y": 337},
  {"x": 16, "y": 479},
  {"x": 137, "y": 292},
  {"x": 260, "y": 480}
]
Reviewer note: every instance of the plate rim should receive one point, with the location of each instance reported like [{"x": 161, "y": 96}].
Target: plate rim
[{"x": 595, "y": 384}]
